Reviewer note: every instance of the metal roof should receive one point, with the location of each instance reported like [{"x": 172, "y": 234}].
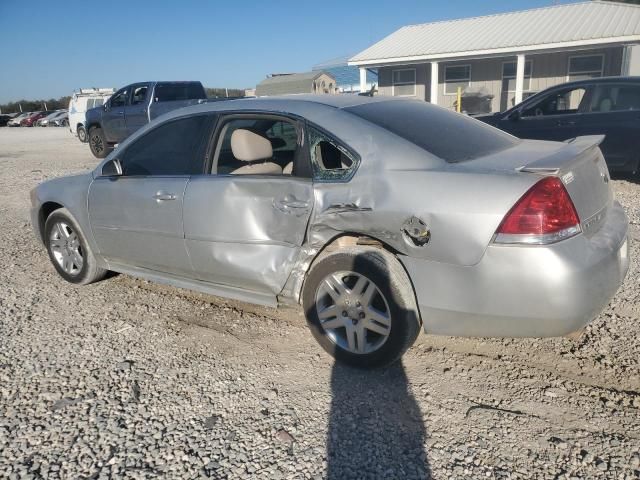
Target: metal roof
[
  {"x": 289, "y": 83},
  {"x": 345, "y": 74},
  {"x": 558, "y": 26}
]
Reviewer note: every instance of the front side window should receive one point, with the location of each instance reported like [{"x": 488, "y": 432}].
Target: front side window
[
  {"x": 456, "y": 76},
  {"x": 121, "y": 98},
  {"x": 329, "y": 159},
  {"x": 585, "y": 66},
  {"x": 509, "y": 70},
  {"x": 139, "y": 94},
  {"x": 173, "y": 148},
  {"x": 257, "y": 146},
  {"x": 561, "y": 102},
  {"x": 404, "y": 82}
]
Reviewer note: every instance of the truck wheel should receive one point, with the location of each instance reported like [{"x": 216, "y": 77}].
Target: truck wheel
[
  {"x": 82, "y": 134},
  {"x": 98, "y": 143},
  {"x": 360, "y": 307}
]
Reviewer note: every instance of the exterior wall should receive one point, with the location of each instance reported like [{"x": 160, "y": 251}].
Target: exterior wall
[
  {"x": 423, "y": 74},
  {"x": 547, "y": 70},
  {"x": 329, "y": 85}
]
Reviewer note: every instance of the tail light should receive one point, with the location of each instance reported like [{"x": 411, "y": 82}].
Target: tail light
[{"x": 543, "y": 215}]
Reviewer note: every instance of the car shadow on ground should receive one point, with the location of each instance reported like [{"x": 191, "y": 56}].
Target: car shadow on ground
[
  {"x": 375, "y": 426},
  {"x": 629, "y": 177}
]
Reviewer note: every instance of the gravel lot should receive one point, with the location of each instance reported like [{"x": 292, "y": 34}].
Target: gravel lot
[{"x": 128, "y": 379}]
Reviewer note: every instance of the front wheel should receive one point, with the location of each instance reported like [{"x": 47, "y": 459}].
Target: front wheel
[
  {"x": 360, "y": 307},
  {"x": 69, "y": 251},
  {"x": 98, "y": 143}
]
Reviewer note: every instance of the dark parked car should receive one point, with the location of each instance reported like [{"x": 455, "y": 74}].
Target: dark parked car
[
  {"x": 4, "y": 119},
  {"x": 133, "y": 107},
  {"x": 608, "y": 106}
]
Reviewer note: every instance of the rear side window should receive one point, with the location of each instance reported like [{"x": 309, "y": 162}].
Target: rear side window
[
  {"x": 330, "y": 160},
  {"x": 448, "y": 135},
  {"x": 174, "y": 148},
  {"x": 169, "y": 92},
  {"x": 615, "y": 98}
]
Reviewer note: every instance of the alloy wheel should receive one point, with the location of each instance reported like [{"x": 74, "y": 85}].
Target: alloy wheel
[
  {"x": 353, "y": 312},
  {"x": 97, "y": 144},
  {"x": 66, "y": 249}
]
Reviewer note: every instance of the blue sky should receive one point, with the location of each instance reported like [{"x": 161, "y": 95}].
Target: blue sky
[{"x": 50, "y": 48}]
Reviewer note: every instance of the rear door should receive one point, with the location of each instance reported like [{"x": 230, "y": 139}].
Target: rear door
[
  {"x": 614, "y": 111},
  {"x": 244, "y": 227},
  {"x": 136, "y": 218},
  {"x": 136, "y": 114},
  {"x": 554, "y": 116}
]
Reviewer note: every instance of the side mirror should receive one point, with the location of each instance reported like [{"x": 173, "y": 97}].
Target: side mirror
[
  {"x": 514, "y": 116},
  {"x": 106, "y": 107},
  {"x": 113, "y": 168}
]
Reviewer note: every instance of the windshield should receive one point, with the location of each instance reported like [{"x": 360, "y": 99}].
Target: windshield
[{"x": 448, "y": 135}]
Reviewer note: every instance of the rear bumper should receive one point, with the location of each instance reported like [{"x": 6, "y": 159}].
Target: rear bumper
[{"x": 525, "y": 291}]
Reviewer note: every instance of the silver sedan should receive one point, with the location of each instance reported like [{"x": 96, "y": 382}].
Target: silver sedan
[{"x": 380, "y": 216}]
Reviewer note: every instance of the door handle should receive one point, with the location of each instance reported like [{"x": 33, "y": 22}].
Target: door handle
[
  {"x": 162, "y": 197},
  {"x": 120, "y": 113},
  {"x": 569, "y": 123}
]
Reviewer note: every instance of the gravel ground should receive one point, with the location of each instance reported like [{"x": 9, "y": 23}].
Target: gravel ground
[{"x": 128, "y": 379}]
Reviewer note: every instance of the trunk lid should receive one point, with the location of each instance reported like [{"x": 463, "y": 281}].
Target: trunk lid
[{"x": 577, "y": 162}]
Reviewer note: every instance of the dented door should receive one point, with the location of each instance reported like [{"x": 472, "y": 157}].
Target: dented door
[{"x": 246, "y": 232}]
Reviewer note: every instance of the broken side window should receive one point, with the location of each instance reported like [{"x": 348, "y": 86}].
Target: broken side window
[{"x": 330, "y": 160}]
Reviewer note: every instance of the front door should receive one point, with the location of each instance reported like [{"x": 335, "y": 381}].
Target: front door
[
  {"x": 137, "y": 221},
  {"x": 245, "y": 223},
  {"x": 555, "y": 116},
  {"x": 136, "y": 218},
  {"x": 113, "y": 117},
  {"x": 135, "y": 113}
]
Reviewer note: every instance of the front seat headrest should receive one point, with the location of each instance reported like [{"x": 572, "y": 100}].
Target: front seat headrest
[{"x": 248, "y": 146}]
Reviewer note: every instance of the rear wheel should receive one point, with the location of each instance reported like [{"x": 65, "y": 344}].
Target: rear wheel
[
  {"x": 98, "y": 143},
  {"x": 82, "y": 134},
  {"x": 360, "y": 307},
  {"x": 69, "y": 251}
]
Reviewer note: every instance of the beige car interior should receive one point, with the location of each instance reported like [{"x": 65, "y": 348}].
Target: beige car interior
[{"x": 256, "y": 151}]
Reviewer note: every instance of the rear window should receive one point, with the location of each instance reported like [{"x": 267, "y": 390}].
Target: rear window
[
  {"x": 169, "y": 92},
  {"x": 448, "y": 135}
]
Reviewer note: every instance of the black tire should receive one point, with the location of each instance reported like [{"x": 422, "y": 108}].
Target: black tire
[
  {"x": 388, "y": 275},
  {"x": 98, "y": 143},
  {"x": 82, "y": 134},
  {"x": 65, "y": 123},
  {"x": 89, "y": 271}
]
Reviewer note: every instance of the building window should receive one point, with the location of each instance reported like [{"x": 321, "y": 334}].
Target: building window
[
  {"x": 509, "y": 70},
  {"x": 404, "y": 82},
  {"x": 456, "y": 76},
  {"x": 585, "y": 66}
]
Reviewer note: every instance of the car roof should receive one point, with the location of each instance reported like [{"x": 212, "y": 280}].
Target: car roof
[
  {"x": 590, "y": 81},
  {"x": 302, "y": 105}
]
